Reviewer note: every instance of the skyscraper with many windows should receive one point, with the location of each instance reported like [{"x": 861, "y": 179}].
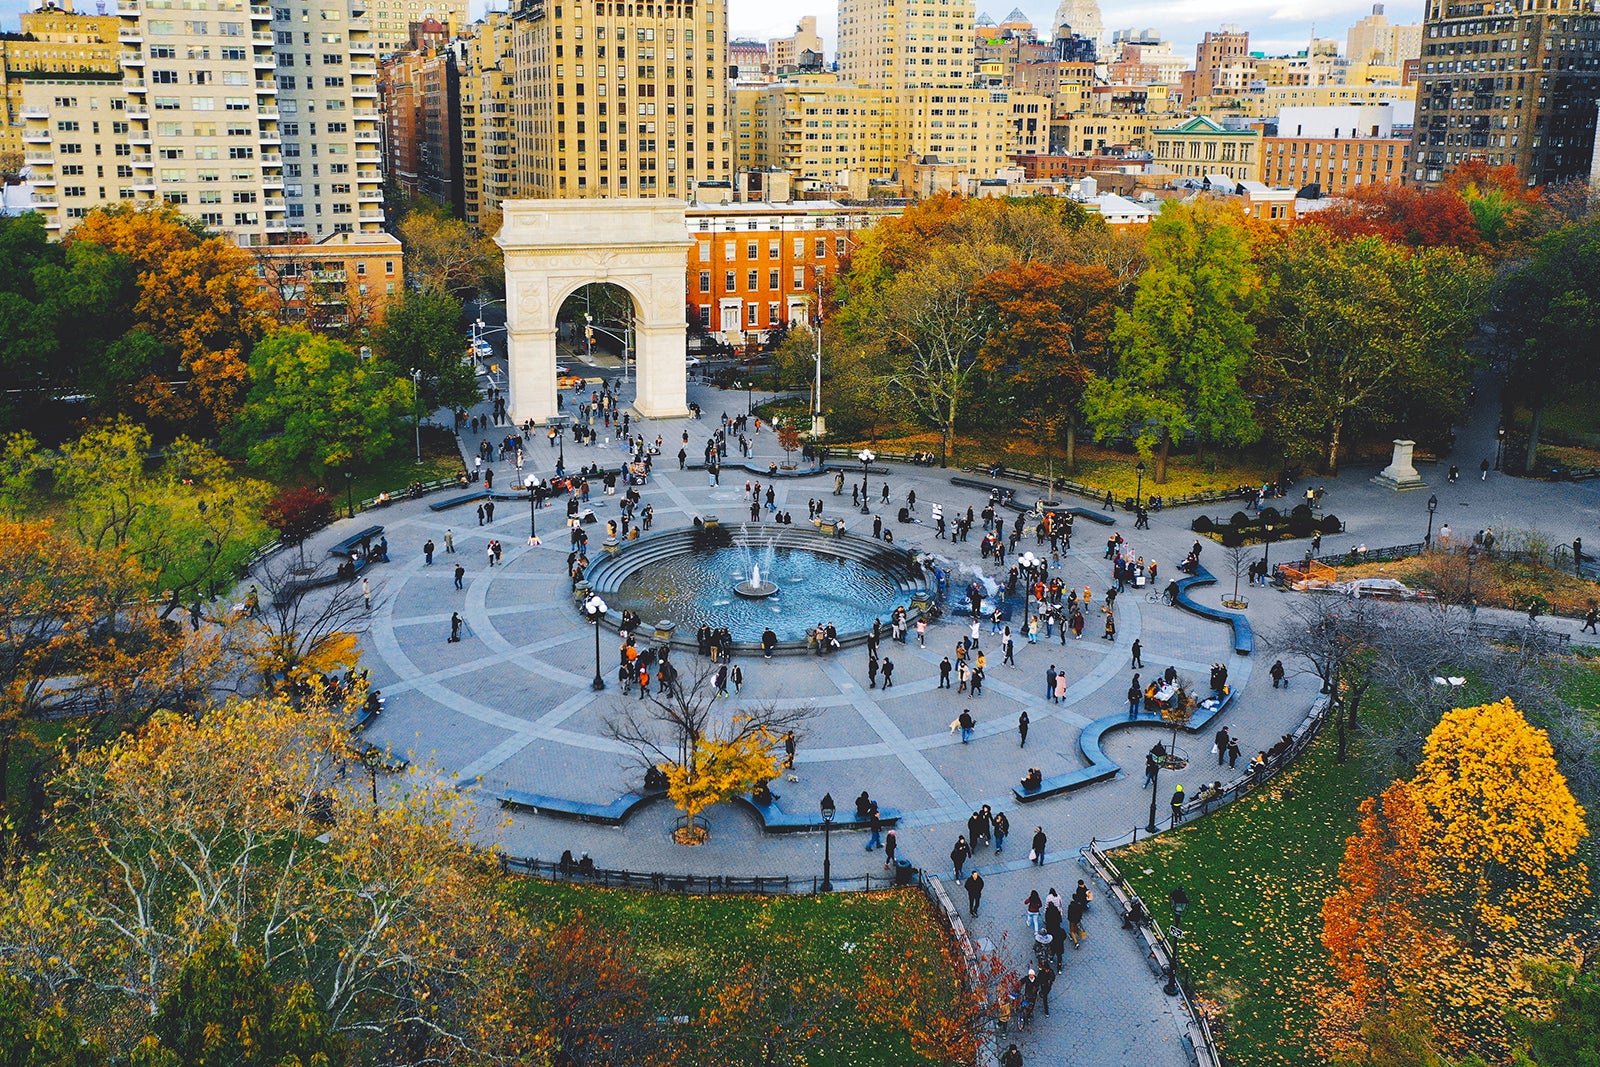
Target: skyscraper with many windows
[{"x": 621, "y": 99}]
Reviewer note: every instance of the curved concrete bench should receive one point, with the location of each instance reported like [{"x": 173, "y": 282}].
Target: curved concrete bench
[
  {"x": 1010, "y": 502},
  {"x": 804, "y": 471},
  {"x": 1244, "y": 640},
  {"x": 774, "y": 820},
  {"x": 610, "y": 814},
  {"x": 1102, "y": 766}
]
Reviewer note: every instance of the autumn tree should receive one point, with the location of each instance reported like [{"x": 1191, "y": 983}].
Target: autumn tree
[
  {"x": 198, "y": 299},
  {"x": 1455, "y": 879},
  {"x": 445, "y": 256},
  {"x": 1184, "y": 348},
  {"x": 719, "y": 769},
  {"x": 314, "y": 404},
  {"x": 1052, "y": 331},
  {"x": 942, "y": 1002},
  {"x": 1503, "y": 207},
  {"x": 190, "y": 523},
  {"x": 1363, "y": 332},
  {"x": 35, "y": 1033},
  {"x": 788, "y": 439},
  {"x": 1403, "y": 214},
  {"x": 238, "y": 825},
  {"x": 761, "y": 1017}
]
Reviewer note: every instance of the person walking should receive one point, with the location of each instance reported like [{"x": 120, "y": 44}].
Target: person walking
[
  {"x": 1278, "y": 675},
  {"x": 1039, "y": 841},
  {"x": 966, "y": 722},
  {"x": 449, "y": 542},
  {"x": 888, "y": 673},
  {"x": 366, "y": 594},
  {"x": 1233, "y": 753},
  {"x": 872, "y": 671},
  {"x": 1483, "y": 471},
  {"x": 1022, "y": 732},
  {"x": 959, "y": 854},
  {"x": 1590, "y": 619},
  {"x": 1075, "y": 911},
  {"x": 427, "y": 552},
  {"x": 1177, "y": 804},
  {"x": 194, "y": 616},
  {"x": 788, "y": 751},
  {"x": 1220, "y": 747},
  {"x": 1138, "y": 649},
  {"x": 890, "y": 844},
  {"x": 1000, "y": 830},
  {"x": 875, "y": 826},
  {"x": 1151, "y": 769},
  {"x": 944, "y": 673},
  {"x": 461, "y": 572},
  {"x": 1012, "y": 1057},
  {"x": 1135, "y": 695},
  {"x": 974, "y": 885},
  {"x": 1050, "y": 683},
  {"x": 1034, "y": 910}
]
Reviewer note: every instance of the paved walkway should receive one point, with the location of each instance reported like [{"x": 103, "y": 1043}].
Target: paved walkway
[{"x": 511, "y": 704}]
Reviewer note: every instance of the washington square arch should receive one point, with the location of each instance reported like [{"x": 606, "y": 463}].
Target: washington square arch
[{"x": 555, "y": 247}]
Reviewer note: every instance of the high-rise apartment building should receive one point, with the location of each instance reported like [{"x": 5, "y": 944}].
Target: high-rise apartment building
[
  {"x": 1514, "y": 83},
  {"x": 488, "y": 134},
  {"x": 621, "y": 99},
  {"x": 260, "y": 121},
  {"x": 424, "y": 120},
  {"x": 815, "y": 126},
  {"x": 1222, "y": 65},
  {"x": 1376, "y": 41},
  {"x": 391, "y": 20},
  {"x": 55, "y": 42}
]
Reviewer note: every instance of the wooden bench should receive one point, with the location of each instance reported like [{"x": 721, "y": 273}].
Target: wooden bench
[
  {"x": 609, "y": 814},
  {"x": 774, "y": 820}
]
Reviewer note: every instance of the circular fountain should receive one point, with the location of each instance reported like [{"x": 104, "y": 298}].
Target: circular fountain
[{"x": 753, "y": 588}]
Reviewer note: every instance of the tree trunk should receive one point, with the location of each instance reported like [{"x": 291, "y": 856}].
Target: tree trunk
[
  {"x": 1330, "y": 462},
  {"x": 5, "y": 766},
  {"x": 1531, "y": 462},
  {"x": 1161, "y": 459},
  {"x": 1072, "y": 445}
]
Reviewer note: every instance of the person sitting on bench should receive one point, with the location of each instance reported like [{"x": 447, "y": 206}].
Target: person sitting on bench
[{"x": 1032, "y": 779}]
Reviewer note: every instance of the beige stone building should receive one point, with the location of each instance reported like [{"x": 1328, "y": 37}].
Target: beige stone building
[
  {"x": 620, "y": 99},
  {"x": 814, "y": 126},
  {"x": 257, "y": 120},
  {"x": 391, "y": 20},
  {"x": 488, "y": 103},
  {"x": 1199, "y": 147},
  {"x": 783, "y": 53},
  {"x": 1376, "y": 40},
  {"x": 55, "y": 42}
]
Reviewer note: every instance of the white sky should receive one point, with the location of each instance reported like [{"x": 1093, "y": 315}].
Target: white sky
[{"x": 1276, "y": 26}]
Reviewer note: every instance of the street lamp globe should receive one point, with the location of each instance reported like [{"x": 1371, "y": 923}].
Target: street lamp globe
[
  {"x": 866, "y": 455},
  {"x": 595, "y": 608}
]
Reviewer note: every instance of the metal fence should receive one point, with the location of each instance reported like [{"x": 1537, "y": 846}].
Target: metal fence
[{"x": 696, "y": 884}]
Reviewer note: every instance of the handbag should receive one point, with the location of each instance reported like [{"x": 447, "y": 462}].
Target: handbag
[{"x": 1033, "y": 854}]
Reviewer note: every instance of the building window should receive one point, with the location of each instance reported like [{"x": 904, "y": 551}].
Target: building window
[{"x": 705, "y": 281}]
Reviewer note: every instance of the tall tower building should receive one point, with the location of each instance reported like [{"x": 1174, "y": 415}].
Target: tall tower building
[
  {"x": 1221, "y": 60},
  {"x": 391, "y": 20},
  {"x": 488, "y": 133},
  {"x": 887, "y": 44},
  {"x": 621, "y": 99},
  {"x": 1082, "y": 17},
  {"x": 327, "y": 97},
  {"x": 1514, "y": 83}
]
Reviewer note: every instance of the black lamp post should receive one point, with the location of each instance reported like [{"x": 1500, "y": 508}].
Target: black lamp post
[
  {"x": 561, "y": 446},
  {"x": 535, "y": 493},
  {"x": 349, "y": 493},
  {"x": 1138, "y": 493},
  {"x": 1155, "y": 791},
  {"x": 1180, "y": 904},
  {"x": 594, "y": 609},
  {"x": 866, "y": 456},
  {"x": 1266, "y": 553},
  {"x": 1499, "y": 444},
  {"x": 1025, "y": 563},
  {"x": 1433, "y": 505},
  {"x": 827, "y": 853}
]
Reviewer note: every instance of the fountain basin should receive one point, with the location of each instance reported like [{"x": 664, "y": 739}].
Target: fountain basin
[{"x": 754, "y": 590}]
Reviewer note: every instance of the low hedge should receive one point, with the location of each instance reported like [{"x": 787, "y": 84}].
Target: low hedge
[{"x": 1242, "y": 528}]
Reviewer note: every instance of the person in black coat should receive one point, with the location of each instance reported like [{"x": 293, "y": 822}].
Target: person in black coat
[
  {"x": 1039, "y": 841},
  {"x": 959, "y": 855}
]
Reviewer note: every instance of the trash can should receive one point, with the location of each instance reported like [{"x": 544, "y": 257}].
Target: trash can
[{"x": 904, "y": 873}]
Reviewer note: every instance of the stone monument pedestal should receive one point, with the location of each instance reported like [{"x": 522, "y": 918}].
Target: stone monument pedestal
[{"x": 1400, "y": 475}]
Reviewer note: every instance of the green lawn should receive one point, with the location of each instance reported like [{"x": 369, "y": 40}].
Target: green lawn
[
  {"x": 440, "y": 459},
  {"x": 687, "y": 944}
]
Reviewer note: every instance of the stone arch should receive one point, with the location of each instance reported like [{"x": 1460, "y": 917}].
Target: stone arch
[{"x": 554, "y": 247}]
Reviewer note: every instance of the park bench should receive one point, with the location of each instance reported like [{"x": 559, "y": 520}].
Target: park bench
[
  {"x": 364, "y": 537},
  {"x": 1244, "y": 641},
  {"x": 1102, "y": 766},
  {"x": 774, "y": 820},
  {"x": 610, "y": 814},
  {"x": 1008, "y": 499}
]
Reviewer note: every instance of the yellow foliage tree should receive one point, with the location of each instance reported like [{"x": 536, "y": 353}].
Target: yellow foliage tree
[
  {"x": 720, "y": 769},
  {"x": 1456, "y": 879}
]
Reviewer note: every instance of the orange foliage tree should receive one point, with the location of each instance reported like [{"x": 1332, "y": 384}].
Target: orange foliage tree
[
  {"x": 1404, "y": 215},
  {"x": 1455, "y": 880},
  {"x": 198, "y": 298},
  {"x": 946, "y": 1023}
]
